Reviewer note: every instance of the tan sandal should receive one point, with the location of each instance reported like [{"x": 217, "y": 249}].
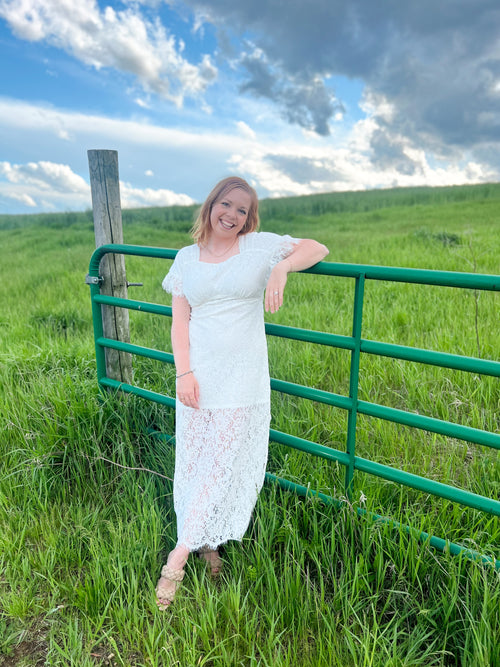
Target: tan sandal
[
  {"x": 165, "y": 596},
  {"x": 213, "y": 560}
]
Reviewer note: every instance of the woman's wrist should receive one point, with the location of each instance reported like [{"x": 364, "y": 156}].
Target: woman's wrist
[
  {"x": 285, "y": 265},
  {"x": 181, "y": 375}
]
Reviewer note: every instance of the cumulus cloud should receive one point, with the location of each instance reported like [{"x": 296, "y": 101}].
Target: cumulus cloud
[
  {"x": 52, "y": 186},
  {"x": 44, "y": 176},
  {"x": 292, "y": 168},
  {"x": 303, "y": 98},
  {"x": 43, "y": 185},
  {"x": 436, "y": 63},
  {"x": 121, "y": 39},
  {"x": 136, "y": 198}
]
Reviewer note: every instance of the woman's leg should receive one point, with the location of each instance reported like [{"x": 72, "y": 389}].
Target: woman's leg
[
  {"x": 171, "y": 576},
  {"x": 213, "y": 560},
  {"x": 177, "y": 558}
]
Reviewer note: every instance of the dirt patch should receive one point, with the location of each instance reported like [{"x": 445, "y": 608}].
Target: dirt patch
[{"x": 27, "y": 653}]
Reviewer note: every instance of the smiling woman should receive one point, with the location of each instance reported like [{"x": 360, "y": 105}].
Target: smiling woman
[
  {"x": 229, "y": 210},
  {"x": 223, "y": 386}
]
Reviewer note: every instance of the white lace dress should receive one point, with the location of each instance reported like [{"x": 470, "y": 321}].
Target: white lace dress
[{"x": 221, "y": 449}]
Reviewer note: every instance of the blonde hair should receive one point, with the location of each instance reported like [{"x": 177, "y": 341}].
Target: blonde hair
[{"x": 201, "y": 228}]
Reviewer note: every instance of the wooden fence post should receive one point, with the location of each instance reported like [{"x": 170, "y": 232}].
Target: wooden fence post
[{"x": 105, "y": 189}]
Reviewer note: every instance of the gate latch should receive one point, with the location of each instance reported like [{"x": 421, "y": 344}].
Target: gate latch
[{"x": 93, "y": 280}]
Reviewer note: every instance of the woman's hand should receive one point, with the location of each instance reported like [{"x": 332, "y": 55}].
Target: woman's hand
[
  {"x": 188, "y": 391},
  {"x": 276, "y": 286}
]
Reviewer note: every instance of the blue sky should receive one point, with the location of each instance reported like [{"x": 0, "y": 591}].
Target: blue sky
[{"x": 297, "y": 97}]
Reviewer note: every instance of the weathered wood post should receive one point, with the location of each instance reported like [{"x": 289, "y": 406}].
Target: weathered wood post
[{"x": 105, "y": 189}]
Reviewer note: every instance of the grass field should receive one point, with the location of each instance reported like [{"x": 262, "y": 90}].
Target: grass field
[{"x": 86, "y": 516}]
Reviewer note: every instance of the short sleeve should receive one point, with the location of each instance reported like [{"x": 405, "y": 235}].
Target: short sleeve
[
  {"x": 172, "y": 282},
  {"x": 283, "y": 246}
]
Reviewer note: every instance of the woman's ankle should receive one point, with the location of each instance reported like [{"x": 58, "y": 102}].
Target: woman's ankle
[{"x": 178, "y": 557}]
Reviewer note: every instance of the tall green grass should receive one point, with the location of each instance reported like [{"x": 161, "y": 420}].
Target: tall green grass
[{"x": 85, "y": 497}]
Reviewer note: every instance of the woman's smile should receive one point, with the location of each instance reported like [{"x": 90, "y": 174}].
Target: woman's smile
[{"x": 230, "y": 213}]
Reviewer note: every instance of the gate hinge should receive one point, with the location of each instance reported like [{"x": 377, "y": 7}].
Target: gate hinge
[{"x": 93, "y": 280}]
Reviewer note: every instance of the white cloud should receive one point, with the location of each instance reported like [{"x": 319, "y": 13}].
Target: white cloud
[
  {"x": 43, "y": 185},
  {"x": 190, "y": 160},
  {"x": 44, "y": 176},
  {"x": 357, "y": 163},
  {"x": 436, "y": 64},
  {"x": 135, "y": 197},
  {"x": 24, "y": 199},
  {"x": 187, "y": 160},
  {"x": 123, "y": 40},
  {"x": 245, "y": 130},
  {"x": 24, "y": 116},
  {"x": 56, "y": 187},
  {"x": 142, "y": 103}
]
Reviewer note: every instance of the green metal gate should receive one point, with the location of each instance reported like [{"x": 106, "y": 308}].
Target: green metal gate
[{"x": 356, "y": 345}]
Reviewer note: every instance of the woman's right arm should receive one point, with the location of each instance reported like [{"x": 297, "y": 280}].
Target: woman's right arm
[{"x": 188, "y": 391}]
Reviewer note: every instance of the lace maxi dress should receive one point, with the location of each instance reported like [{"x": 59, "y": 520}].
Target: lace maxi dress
[{"x": 221, "y": 449}]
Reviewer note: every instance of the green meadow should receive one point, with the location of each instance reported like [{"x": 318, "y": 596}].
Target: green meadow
[{"x": 86, "y": 515}]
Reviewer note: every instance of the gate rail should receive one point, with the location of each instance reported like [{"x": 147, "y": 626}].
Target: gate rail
[{"x": 357, "y": 345}]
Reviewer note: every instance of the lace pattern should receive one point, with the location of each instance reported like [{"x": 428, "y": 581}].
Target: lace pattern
[
  {"x": 219, "y": 471},
  {"x": 173, "y": 280},
  {"x": 283, "y": 249}
]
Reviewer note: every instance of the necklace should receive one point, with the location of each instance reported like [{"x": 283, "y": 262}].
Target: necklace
[{"x": 225, "y": 251}]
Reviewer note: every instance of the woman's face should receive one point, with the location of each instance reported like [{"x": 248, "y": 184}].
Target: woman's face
[{"x": 229, "y": 213}]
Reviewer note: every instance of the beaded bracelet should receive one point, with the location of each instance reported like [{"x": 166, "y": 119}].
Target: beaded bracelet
[{"x": 183, "y": 374}]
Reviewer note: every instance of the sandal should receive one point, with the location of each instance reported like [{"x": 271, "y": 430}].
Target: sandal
[
  {"x": 165, "y": 596},
  {"x": 213, "y": 560}
]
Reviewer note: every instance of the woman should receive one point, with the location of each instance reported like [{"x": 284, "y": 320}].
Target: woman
[{"x": 220, "y": 353}]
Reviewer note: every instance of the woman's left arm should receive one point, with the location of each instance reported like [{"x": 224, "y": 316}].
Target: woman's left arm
[{"x": 305, "y": 254}]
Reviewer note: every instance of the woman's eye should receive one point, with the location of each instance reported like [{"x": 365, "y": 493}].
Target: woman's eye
[
  {"x": 242, "y": 211},
  {"x": 224, "y": 203}
]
